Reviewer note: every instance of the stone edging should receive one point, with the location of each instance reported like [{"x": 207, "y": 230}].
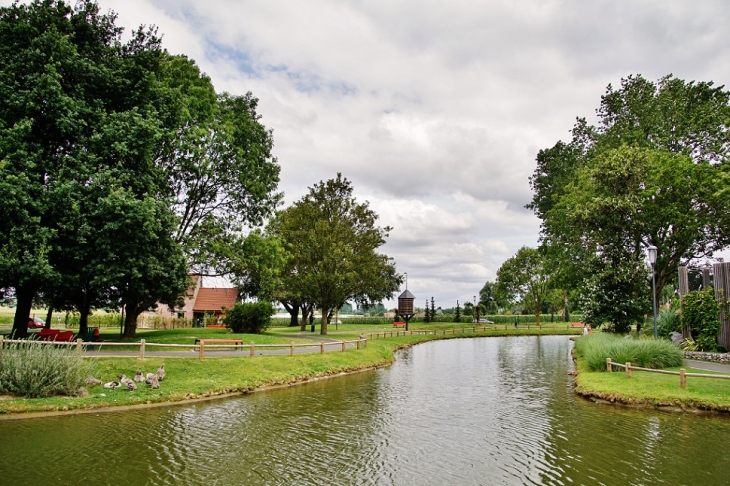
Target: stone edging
[{"x": 702, "y": 356}]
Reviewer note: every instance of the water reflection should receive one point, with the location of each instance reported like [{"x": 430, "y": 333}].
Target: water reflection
[{"x": 462, "y": 411}]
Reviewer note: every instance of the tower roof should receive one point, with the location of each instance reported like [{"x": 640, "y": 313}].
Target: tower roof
[{"x": 406, "y": 295}]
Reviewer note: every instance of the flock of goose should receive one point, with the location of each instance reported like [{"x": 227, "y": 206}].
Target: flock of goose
[{"x": 152, "y": 379}]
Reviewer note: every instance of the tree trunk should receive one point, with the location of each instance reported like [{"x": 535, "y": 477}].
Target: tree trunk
[
  {"x": 49, "y": 317},
  {"x": 130, "y": 321},
  {"x": 537, "y": 316},
  {"x": 324, "y": 321},
  {"x": 84, "y": 310},
  {"x": 307, "y": 311},
  {"x": 293, "y": 310},
  {"x": 24, "y": 301}
]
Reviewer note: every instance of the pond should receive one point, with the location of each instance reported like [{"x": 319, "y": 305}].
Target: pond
[{"x": 462, "y": 411}]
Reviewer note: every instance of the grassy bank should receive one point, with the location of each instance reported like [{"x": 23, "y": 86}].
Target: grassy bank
[
  {"x": 646, "y": 389},
  {"x": 190, "y": 378}
]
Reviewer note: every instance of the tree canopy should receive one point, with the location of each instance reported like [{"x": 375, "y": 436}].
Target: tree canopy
[
  {"x": 331, "y": 242},
  {"x": 524, "y": 278},
  {"x": 119, "y": 164},
  {"x": 650, "y": 173}
]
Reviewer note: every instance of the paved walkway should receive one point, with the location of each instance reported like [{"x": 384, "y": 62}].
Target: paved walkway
[{"x": 708, "y": 365}]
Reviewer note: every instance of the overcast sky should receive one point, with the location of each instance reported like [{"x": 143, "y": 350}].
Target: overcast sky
[{"x": 435, "y": 110}]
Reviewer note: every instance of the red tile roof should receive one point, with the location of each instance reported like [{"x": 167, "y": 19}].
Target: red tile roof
[{"x": 213, "y": 300}]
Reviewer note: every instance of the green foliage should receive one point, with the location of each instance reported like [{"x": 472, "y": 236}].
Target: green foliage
[
  {"x": 647, "y": 174},
  {"x": 427, "y": 313},
  {"x": 249, "y": 318},
  {"x": 33, "y": 370},
  {"x": 457, "y": 313},
  {"x": 616, "y": 293},
  {"x": 646, "y": 353},
  {"x": 524, "y": 278},
  {"x": 331, "y": 242},
  {"x": 667, "y": 322},
  {"x": 700, "y": 313}
]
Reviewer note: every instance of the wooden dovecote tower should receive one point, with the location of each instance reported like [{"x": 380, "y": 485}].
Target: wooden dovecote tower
[{"x": 405, "y": 306}]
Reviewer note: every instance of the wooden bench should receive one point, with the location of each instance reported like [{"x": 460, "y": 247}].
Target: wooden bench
[
  {"x": 237, "y": 342},
  {"x": 216, "y": 326},
  {"x": 399, "y": 324},
  {"x": 577, "y": 324}
]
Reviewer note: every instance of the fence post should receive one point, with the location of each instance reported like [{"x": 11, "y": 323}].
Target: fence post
[
  {"x": 1, "y": 343},
  {"x": 321, "y": 347},
  {"x": 291, "y": 348},
  {"x": 682, "y": 378},
  {"x": 609, "y": 368},
  {"x": 358, "y": 342},
  {"x": 628, "y": 370},
  {"x": 78, "y": 346},
  {"x": 201, "y": 350},
  {"x": 141, "y": 348},
  {"x": 253, "y": 349},
  {"x": 344, "y": 346}
]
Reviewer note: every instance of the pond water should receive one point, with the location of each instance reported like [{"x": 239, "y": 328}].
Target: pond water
[{"x": 462, "y": 411}]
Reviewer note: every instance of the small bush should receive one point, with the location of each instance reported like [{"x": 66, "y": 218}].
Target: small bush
[
  {"x": 700, "y": 311},
  {"x": 249, "y": 318},
  {"x": 646, "y": 353},
  {"x": 667, "y": 322},
  {"x": 34, "y": 370}
]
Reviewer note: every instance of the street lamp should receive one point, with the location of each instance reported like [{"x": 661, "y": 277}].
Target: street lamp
[
  {"x": 476, "y": 310},
  {"x": 651, "y": 253}
]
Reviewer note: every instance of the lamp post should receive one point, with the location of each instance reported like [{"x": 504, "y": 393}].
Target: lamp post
[
  {"x": 651, "y": 253},
  {"x": 476, "y": 309}
]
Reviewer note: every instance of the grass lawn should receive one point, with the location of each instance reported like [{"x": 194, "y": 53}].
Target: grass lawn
[
  {"x": 189, "y": 335},
  {"x": 654, "y": 389}
]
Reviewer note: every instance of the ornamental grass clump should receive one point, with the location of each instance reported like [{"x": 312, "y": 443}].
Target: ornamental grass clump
[
  {"x": 645, "y": 353},
  {"x": 34, "y": 370}
]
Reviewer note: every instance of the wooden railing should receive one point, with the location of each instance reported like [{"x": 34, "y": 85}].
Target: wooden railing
[
  {"x": 682, "y": 373},
  {"x": 386, "y": 333},
  {"x": 143, "y": 346}
]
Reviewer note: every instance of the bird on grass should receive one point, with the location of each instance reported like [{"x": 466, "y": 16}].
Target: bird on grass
[
  {"x": 93, "y": 381},
  {"x": 139, "y": 378},
  {"x": 131, "y": 385},
  {"x": 152, "y": 380},
  {"x": 124, "y": 380},
  {"x": 161, "y": 372},
  {"x": 112, "y": 385}
]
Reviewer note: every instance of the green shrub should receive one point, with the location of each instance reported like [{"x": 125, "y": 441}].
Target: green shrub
[
  {"x": 249, "y": 318},
  {"x": 646, "y": 353},
  {"x": 700, "y": 312},
  {"x": 35, "y": 370},
  {"x": 667, "y": 322}
]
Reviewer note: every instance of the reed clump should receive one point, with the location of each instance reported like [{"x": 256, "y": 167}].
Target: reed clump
[
  {"x": 34, "y": 370},
  {"x": 645, "y": 353}
]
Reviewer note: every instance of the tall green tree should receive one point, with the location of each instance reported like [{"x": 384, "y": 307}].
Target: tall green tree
[
  {"x": 222, "y": 175},
  {"x": 649, "y": 173},
  {"x": 332, "y": 241},
  {"x": 524, "y": 278},
  {"x": 76, "y": 101}
]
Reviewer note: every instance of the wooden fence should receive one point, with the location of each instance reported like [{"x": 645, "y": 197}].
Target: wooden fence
[
  {"x": 682, "y": 373},
  {"x": 201, "y": 347},
  {"x": 443, "y": 332}
]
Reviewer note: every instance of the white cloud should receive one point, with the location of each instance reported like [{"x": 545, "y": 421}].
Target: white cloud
[{"x": 435, "y": 110}]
